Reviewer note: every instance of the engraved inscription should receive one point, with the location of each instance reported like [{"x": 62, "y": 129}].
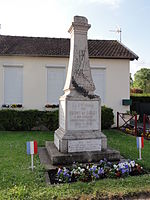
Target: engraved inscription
[
  {"x": 83, "y": 115},
  {"x": 84, "y": 145}
]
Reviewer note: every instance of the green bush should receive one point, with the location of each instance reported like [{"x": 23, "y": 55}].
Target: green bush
[
  {"x": 12, "y": 120},
  {"x": 107, "y": 117}
]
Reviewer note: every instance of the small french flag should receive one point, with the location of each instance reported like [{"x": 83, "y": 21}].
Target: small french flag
[
  {"x": 140, "y": 142},
  {"x": 32, "y": 147}
]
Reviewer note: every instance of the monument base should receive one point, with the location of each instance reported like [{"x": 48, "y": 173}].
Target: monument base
[
  {"x": 79, "y": 124},
  {"x": 58, "y": 158},
  {"x": 81, "y": 141}
]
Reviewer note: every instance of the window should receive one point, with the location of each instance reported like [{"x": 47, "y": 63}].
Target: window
[
  {"x": 55, "y": 83},
  {"x": 98, "y": 75},
  {"x": 13, "y": 85}
]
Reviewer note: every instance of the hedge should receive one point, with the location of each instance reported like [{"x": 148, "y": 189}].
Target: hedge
[
  {"x": 107, "y": 117},
  {"x": 13, "y": 120},
  {"x": 140, "y": 104},
  {"x": 141, "y": 99},
  {"x": 137, "y": 101}
]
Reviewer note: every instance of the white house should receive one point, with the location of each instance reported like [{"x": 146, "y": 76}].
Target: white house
[{"x": 33, "y": 71}]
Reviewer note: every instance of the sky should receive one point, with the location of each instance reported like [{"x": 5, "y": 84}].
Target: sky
[{"x": 52, "y": 18}]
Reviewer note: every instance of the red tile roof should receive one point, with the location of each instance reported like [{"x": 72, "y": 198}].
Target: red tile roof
[{"x": 60, "y": 47}]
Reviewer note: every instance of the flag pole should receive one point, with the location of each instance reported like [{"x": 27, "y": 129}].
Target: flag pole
[
  {"x": 140, "y": 156},
  {"x": 32, "y": 166},
  {"x": 31, "y": 150}
]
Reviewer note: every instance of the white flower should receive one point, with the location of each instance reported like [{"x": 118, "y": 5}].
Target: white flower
[
  {"x": 121, "y": 165},
  {"x": 115, "y": 166},
  {"x": 132, "y": 163},
  {"x": 82, "y": 170}
]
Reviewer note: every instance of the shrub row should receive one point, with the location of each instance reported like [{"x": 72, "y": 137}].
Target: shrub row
[
  {"x": 107, "y": 117},
  {"x": 141, "y": 99},
  {"x": 13, "y": 120},
  {"x": 140, "y": 104}
]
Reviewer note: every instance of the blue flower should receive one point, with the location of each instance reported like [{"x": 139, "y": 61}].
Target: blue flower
[
  {"x": 123, "y": 171},
  {"x": 101, "y": 171},
  {"x": 59, "y": 171},
  {"x": 126, "y": 166},
  {"x": 101, "y": 161},
  {"x": 95, "y": 175},
  {"x": 94, "y": 168},
  {"x": 65, "y": 173},
  {"x": 91, "y": 169}
]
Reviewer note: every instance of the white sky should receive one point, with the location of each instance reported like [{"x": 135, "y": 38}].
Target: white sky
[{"x": 52, "y": 18}]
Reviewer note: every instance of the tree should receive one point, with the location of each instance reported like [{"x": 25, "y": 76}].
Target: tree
[{"x": 142, "y": 79}]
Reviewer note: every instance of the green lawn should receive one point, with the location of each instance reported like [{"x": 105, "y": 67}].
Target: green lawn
[
  {"x": 126, "y": 144},
  {"x": 17, "y": 182}
]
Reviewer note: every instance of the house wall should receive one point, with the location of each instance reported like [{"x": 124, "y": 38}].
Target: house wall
[
  {"x": 117, "y": 83},
  {"x": 35, "y": 79}
]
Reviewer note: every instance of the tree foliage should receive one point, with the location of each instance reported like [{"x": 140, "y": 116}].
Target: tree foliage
[{"x": 142, "y": 79}]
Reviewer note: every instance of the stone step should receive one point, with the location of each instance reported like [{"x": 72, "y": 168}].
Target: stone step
[
  {"x": 45, "y": 159},
  {"x": 58, "y": 158}
]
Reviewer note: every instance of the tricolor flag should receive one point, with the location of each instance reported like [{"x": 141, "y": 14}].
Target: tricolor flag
[
  {"x": 140, "y": 142},
  {"x": 32, "y": 147}
]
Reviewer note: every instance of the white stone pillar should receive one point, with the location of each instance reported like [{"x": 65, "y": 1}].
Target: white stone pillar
[
  {"x": 79, "y": 109},
  {"x": 79, "y": 73}
]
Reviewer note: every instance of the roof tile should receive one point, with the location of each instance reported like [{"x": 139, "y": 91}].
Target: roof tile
[{"x": 38, "y": 46}]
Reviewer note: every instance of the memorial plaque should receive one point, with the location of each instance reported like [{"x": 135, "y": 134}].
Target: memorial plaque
[
  {"x": 84, "y": 145},
  {"x": 83, "y": 115}
]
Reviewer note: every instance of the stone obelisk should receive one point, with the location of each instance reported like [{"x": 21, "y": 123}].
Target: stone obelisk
[
  {"x": 79, "y": 108},
  {"x": 79, "y": 137}
]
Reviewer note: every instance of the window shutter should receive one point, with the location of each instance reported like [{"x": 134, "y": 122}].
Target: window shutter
[
  {"x": 99, "y": 78},
  {"x": 13, "y": 85},
  {"x": 55, "y": 84}
]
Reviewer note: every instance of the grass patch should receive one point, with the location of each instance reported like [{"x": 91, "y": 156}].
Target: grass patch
[
  {"x": 17, "y": 182},
  {"x": 14, "y": 165},
  {"x": 126, "y": 144}
]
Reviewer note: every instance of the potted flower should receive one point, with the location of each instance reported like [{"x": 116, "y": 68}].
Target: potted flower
[
  {"x": 5, "y": 106},
  {"x": 51, "y": 106},
  {"x": 16, "y": 105}
]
